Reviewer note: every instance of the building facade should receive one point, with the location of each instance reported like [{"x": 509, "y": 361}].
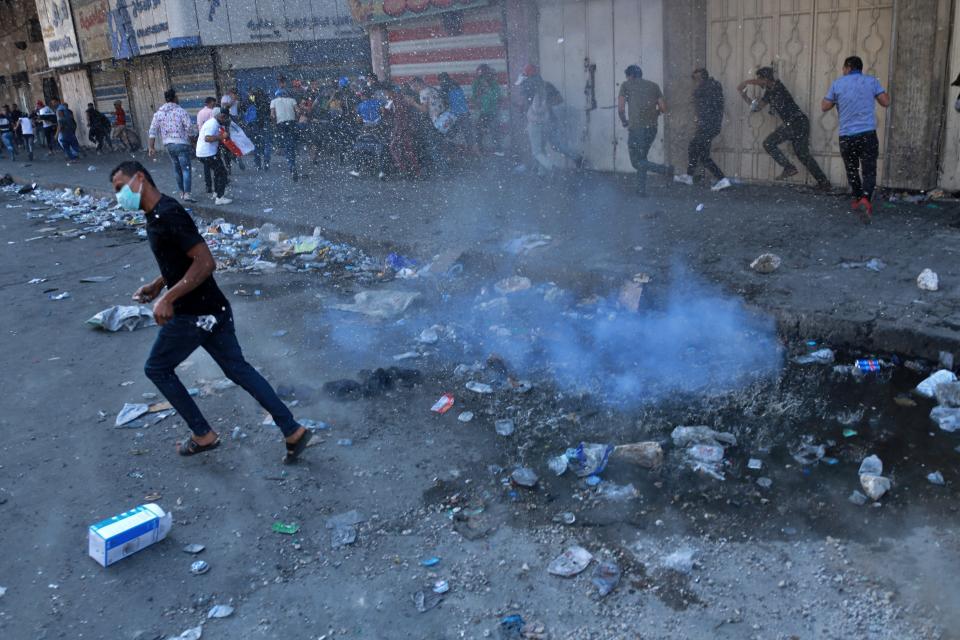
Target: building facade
[{"x": 23, "y": 67}]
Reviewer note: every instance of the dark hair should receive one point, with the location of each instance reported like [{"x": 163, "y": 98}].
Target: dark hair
[
  {"x": 854, "y": 62},
  {"x": 634, "y": 71},
  {"x": 209, "y": 100},
  {"x": 703, "y": 73},
  {"x": 130, "y": 168},
  {"x": 170, "y": 95},
  {"x": 766, "y": 73}
]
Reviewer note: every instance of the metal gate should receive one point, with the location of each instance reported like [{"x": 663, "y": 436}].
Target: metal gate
[
  {"x": 147, "y": 80},
  {"x": 584, "y": 49},
  {"x": 806, "y": 41},
  {"x": 75, "y": 90}
]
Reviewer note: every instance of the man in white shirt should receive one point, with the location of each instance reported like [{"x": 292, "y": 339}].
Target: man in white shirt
[
  {"x": 25, "y": 126},
  {"x": 213, "y": 132},
  {"x": 49, "y": 119},
  {"x": 283, "y": 112},
  {"x": 204, "y": 114}
]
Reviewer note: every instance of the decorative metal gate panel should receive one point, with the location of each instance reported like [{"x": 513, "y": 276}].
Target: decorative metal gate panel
[{"x": 806, "y": 41}]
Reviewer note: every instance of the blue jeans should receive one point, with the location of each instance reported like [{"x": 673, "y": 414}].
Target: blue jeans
[
  {"x": 7, "y": 138},
  {"x": 262, "y": 140},
  {"x": 639, "y": 142},
  {"x": 180, "y": 337},
  {"x": 70, "y": 145},
  {"x": 182, "y": 156},
  {"x": 287, "y": 140}
]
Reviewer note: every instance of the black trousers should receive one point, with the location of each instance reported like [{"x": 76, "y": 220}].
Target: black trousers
[
  {"x": 798, "y": 133},
  {"x": 699, "y": 152},
  {"x": 860, "y": 152},
  {"x": 215, "y": 164}
]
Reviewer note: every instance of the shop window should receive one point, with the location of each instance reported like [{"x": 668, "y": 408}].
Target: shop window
[{"x": 34, "y": 32}]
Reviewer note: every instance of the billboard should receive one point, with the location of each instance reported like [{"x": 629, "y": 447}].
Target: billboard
[
  {"x": 246, "y": 21},
  {"x": 368, "y": 12},
  {"x": 59, "y": 36},
  {"x": 140, "y": 27}
]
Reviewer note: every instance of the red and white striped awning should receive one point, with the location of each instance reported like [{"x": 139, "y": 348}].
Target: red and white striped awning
[{"x": 423, "y": 47}]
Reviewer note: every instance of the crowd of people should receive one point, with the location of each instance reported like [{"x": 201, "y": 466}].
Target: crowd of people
[{"x": 413, "y": 129}]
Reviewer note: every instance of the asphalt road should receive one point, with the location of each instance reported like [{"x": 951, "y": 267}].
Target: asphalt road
[{"x": 798, "y": 562}]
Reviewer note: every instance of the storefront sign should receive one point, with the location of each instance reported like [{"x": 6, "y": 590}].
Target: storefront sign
[
  {"x": 91, "y": 19},
  {"x": 245, "y": 21},
  {"x": 59, "y": 36},
  {"x": 140, "y": 27},
  {"x": 367, "y": 12}
]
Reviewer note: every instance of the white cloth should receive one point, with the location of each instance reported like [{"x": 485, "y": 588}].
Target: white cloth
[
  {"x": 285, "y": 108},
  {"x": 46, "y": 111},
  {"x": 208, "y": 149},
  {"x": 26, "y": 126}
]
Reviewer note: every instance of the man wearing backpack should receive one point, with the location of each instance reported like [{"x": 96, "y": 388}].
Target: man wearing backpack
[
  {"x": 540, "y": 97},
  {"x": 643, "y": 101}
]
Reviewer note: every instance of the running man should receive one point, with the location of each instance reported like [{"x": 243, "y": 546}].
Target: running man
[
  {"x": 193, "y": 313},
  {"x": 854, "y": 95},
  {"x": 795, "y": 128}
]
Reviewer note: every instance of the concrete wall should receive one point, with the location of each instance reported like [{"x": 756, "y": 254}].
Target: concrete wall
[
  {"x": 918, "y": 78},
  {"x": 685, "y": 49},
  {"x": 950, "y": 147},
  {"x": 31, "y": 60}
]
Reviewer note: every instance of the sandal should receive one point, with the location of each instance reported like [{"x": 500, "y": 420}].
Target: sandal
[
  {"x": 191, "y": 447},
  {"x": 294, "y": 449}
]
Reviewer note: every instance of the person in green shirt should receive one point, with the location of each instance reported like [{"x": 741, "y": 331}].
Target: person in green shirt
[
  {"x": 640, "y": 105},
  {"x": 486, "y": 101}
]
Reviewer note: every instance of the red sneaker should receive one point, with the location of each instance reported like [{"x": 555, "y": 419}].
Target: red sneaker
[{"x": 865, "y": 210}]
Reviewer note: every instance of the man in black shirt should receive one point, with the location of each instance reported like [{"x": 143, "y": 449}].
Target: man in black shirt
[
  {"x": 708, "y": 105},
  {"x": 795, "y": 128},
  {"x": 192, "y": 313},
  {"x": 6, "y": 132}
]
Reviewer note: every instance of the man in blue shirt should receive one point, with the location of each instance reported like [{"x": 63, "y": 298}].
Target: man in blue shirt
[{"x": 854, "y": 95}]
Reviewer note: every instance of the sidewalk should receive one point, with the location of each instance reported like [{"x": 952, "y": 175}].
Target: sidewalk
[{"x": 601, "y": 234}]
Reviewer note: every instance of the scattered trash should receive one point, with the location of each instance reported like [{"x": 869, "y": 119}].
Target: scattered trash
[
  {"x": 686, "y": 436},
  {"x": 472, "y": 524},
  {"x": 430, "y": 562},
  {"x": 699, "y": 207},
  {"x": 36, "y": 280},
  {"x": 96, "y": 279},
  {"x": 380, "y": 304},
  {"x": 192, "y": 633},
  {"x": 512, "y": 284},
  {"x": 936, "y": 478},
  {"x": 903, "y": 400},
  {"x": 682, "y": 560},
  {"x": 465, "y": 417},
  {"x": 129, "y": 317},
  {"x": 237, "y": 433},
  {"x": 504, "y": 427},
  {"x": 755, "y": 464},
  {"x": 807, "y": 453},
  {"x": 606, "y": 577},
  {"x": 279, "y": 333},
  {"x": 593, "y": 481},
  {"x": 820, "y": 356},
  {"x": 948, "y": 394},
  {"x": 589, "y": 458},
  {"x": 645, "y": 454},
  {"x": 286, "y": 528},
  {"x": 525, "y": 477},
  {"x": 928, "y": 280},
  {"x": 199, "y": 568},
  {"x": 60, "y": 296},
  {"x": 616, "y": 492},
  {"x": 857, "y": 498},
  {"x": 115, "y": 538},
  {"x": 873, "y": 483},
  {"x": 342, "y": 536},
  {"x": 947, "y": 418},
  {"x": 868, "y": 365},
  {"x": 429, "y": 336},
  {"x": 130, "y": 412},
  {"x": 426, "y": 600},
  {"x": 873, "y": 264},
  {"x": 479, "y": 387},
  {"x": 766, "y": 263},
  {"x": 3, "y": 591},
  {"x": 345, "y": 442},
  {"x": 220, "y": 611},
  {"x": 565, "y": 517},
  {"x": 558, "y": 464},
  {"x": 571, "y": 562},
  {"x": 928, "y": 388},
  {"x": 444, "y": 404},
  {"x": 193, "y": 548},
  {"x": 765, "y": 483}
]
